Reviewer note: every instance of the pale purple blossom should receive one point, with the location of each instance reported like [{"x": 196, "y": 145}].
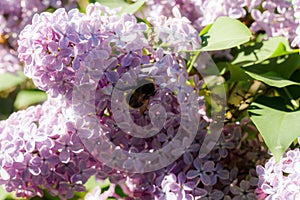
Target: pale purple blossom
[
  {"x": 280, "y": 180},
  {"x": 33, "y": 160},
  {"x": 276, "y": 19}
]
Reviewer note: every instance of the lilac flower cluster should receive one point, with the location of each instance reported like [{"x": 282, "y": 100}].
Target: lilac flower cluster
[
  {"x": 280, "y": 180},
  {"x": 14, "y": 16},
  {"x": 41, "y": 150},
  {"x": 83, "y": 57},
  {"x": 276, "y": 19},
  {"x": 59, "y": 44},
  {"x": 200, "y": 13},
  {"x": 219, "y": 175},
  {"x": 296, "y": 41}
]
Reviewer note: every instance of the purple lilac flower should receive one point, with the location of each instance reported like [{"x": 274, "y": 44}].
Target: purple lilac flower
[
  {"x": 243, "y": 191},
  {"x": 296, "y": 4},
  {"x": 280, "y": 180},
  {"x": 14, "y": 16},
  {"x": 200, "y": 13},
  {"x": 276, "y": 19},
  {"x": 33, "y": 160},
  {"x": 53, "y": 48},
  {"x": 101, "y": 49}
]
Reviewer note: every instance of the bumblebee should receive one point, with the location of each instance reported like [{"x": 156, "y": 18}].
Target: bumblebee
[{"x": 140, "y": 96}]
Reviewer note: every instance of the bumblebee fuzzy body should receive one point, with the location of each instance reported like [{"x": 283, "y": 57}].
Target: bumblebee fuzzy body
[{"x": 139, "y": 98}]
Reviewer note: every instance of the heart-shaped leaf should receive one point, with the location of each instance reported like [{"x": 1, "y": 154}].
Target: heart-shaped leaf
[
  {"x": 225, "y": 33},
  {"x": 278, "y": 128}
]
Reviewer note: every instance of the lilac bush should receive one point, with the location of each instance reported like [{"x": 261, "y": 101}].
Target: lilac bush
[{"x": 88, "y": 64}]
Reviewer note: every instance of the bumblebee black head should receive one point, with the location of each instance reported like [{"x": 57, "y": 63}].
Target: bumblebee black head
[{"x": 141, "y": 94}]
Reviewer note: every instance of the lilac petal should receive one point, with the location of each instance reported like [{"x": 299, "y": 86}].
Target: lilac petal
[
  {"x": 188, "y": 158},
  {"x": 65, "y": 52},
  {"x": 76, "y": 178},
  {"x": 44, "y": 169},
  {"x": 63, "y": 186},
  {"x": 80, "y": 188},
  {"x": 208, "y": 166},
  {"x": 17, "y": 165},
  {"x": 30, "y": 145},
  {"x": 64, "y": 156},
  {"x": 174, "y": 186},
  {"x": 192, "y": 174},
  {"x": 4, "y": 175},
  {"x": 205, "y": 179},
  {"x": 223, "y": 174},
  {"x": 197, "y": 164},
  {"x": 244, "y": 185},
  {"x": 10, "y": 148},
  {"x": 200, "y": 192},
  {"x": 170, "y": 195},
  {"x": 76, "y": 63},
  {"x": 52, "y": 46},
  {"x": 260, "y": 170},
  {"x": 77, "y": 148},
  {"x": 36, "y": 161},
  {"x": 189, "y": 186},
  {"x": 34, "y": 170},
  {"x": 217, "y": 195},
  {"x": 112, "y": 76},
  {"x": 189, "y": 197},
  {"x": 18, "y": 157},
  {"x": 181, "y": 178},
  {"x": 53, "y": 160},
  {"x": 26, "y": 175},
  {"x": 69, "y": 194},
  {"x": 235, "y": 190}
]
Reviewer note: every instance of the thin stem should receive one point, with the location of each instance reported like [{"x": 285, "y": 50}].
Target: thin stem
[
  {"x": 193, "y": 61},
  {"x": 293, "y": 101}
]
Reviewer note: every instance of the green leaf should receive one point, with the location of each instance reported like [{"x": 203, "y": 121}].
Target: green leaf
[
  {"x": 237, "y": 73},
  {"x": 260, "y": 51},
  {"x": 278, "y": 128},
  {"x": 9, "y": 80},
  {"x": 4, "y": 194},
  {"x": 226, "y": 33},
  {"x": 272, "y": 79},
  {"x": 205, "y": 29},
  {"x": 126, "y": 7},
  {"x": 92, "y": 183},
  {"x": 284, "y": 66},
  {"x": 82, "y": 4},
  {"x": 26, "y": 98},
  {"x": 133, "y": 8}
]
